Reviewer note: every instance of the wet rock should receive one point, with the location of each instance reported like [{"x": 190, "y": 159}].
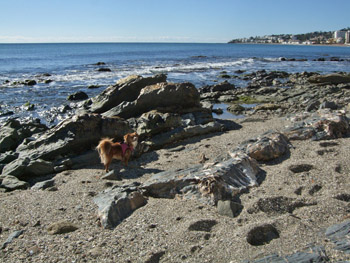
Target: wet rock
[
  {"x": 104, "y": 70},
  {"x": 223, "y": 86},
  {"x": 80, "y": 95},
  {"x": 262, "y": 235},
  {"x": 61, "y": 227},
  {"x": 116, "y": 204},
  {"x": 266, "y": 147},
  {"x": 29, "y": 82},
  {"x": 236, "y": 108},
  {"x": 208, "y": 184}
]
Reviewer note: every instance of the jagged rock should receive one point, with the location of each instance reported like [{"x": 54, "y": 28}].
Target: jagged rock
[
  {"x": 223, "y": 86},
  {"x": 208, "y": 184},
  {"x": 125, "y": 90},
  {"x": 266, "y": 147},
  {"x": 116, "y": 204},
  {"x": 61, "y": 227},
  {"x": 334, "y": 78},
  {"x": 164, "y": 97},
  {"x": 261, "y": 235}
]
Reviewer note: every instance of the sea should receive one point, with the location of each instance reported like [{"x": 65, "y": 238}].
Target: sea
[{"x": 65, "y": 68}]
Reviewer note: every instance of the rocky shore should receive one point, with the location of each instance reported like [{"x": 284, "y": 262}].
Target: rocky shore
[{"x": 272, "y": 186}]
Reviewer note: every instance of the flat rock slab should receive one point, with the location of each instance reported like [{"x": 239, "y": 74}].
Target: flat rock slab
[{"x": 208, "y": 184}]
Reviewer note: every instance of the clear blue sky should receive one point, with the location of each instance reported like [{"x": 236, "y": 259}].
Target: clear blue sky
[{"x": 165, "y": 20}]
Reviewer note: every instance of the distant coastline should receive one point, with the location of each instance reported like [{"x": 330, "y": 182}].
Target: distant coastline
[{"x": 291, "y": 44}]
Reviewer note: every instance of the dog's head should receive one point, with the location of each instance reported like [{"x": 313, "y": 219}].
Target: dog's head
[{"x": 131, "y": 139}]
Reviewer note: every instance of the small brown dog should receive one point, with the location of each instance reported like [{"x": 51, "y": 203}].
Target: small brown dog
[{"x": 108, "y": 150}]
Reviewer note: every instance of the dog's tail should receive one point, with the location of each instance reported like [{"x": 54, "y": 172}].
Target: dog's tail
[{"x": 104, "y": 148}]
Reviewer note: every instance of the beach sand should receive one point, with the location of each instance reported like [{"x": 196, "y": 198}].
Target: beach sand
[{"x": 160, "y": 231}]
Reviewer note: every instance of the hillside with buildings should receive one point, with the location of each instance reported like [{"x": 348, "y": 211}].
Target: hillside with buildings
[{"x": 327, "y": 38}]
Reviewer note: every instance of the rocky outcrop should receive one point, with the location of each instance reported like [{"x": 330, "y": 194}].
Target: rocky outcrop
[
  {"x": 58, "y": 148},
  {"x": 164, "y": 97},
  {"x": 330, "y": 79},
  {"x": 125, "y": 90}
]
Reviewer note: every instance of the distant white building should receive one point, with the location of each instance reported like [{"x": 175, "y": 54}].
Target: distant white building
[
  {"x": 339, "y": 34},
  {"x": 347, "y": 37}
]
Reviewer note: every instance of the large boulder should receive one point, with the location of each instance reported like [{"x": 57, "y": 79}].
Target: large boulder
[
  {"x": 125, "y": 90},
  {"x": 164, "y": 97},
  {"x": 208, "y": 184}
]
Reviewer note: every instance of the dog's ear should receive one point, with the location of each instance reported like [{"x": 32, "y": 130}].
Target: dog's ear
[{"x": 126, "y": 137}]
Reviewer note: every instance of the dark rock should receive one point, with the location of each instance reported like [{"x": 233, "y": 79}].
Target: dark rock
[
  {"x": 343, "y": 197},
  {"x": 229, "y": 208},
  {"x": 94, "y": 86},
  {"x": 155, "y": 257},
  {"x": 61, "y": 227},
  {"x": 280, "y": 204},
  {"x": 80, "y": 95},
  {"x": 314, "y": 189},
  {"x": 262, "y": 235},
  {"x": 100, "y": 63},
  {"x": 312, "y": 105},
  {"x": 202, "y": 225},
  {"x": 116, "y": 204},
  {"x": 300, "y": 168},
  {"x": 104, "y": 70},
  {"x": 209, "y": 184},
  {"x": 29, "y": 82}
]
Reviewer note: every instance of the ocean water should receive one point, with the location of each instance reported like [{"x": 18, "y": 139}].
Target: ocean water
[{"x": 62, "y": 69}]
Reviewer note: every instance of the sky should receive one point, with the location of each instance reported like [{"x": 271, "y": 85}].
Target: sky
[{"x": 205, "y": 21}]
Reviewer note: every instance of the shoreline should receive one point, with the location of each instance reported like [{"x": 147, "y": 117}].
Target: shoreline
[{"x": 290, "y": 44}]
